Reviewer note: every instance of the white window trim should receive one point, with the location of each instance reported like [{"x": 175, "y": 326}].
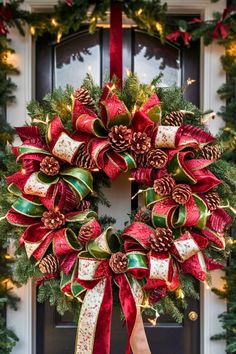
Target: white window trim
[{"x": 212, "y": 77}]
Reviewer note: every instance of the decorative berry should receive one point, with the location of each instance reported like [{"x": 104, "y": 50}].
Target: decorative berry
[
  {"x": 161, "y": 240},
  {"x": 157, "y": 158},
  {"x": 181, "y": 193},
  {"x": 120, "y": 138},
  {"x": 174, "y": 118},
  {"x": 49, "y": 264},
  {"x": 212, "y": 200},
  {"x": 118, "y": 262},
  {"x": 164, "y": 185},
  {"x": 53, "y": 219},
  {"x": 50, "y": 166},
  {"x": 140, "y": 143}
]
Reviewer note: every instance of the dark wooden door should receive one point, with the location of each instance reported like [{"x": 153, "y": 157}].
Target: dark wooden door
[{"x": 67, "y": 63}]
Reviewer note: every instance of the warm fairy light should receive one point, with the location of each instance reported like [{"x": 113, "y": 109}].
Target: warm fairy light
[
  {"x": 139, "y": 12},
  {"x": 54, "y": 22},
  {"x": 230, "y": 241},
  {"x": 179, "y": 294},
  {"x": 128, "y": 72},
  {"x": 56, "y": 208},
  {"x": 59, "y": 35},
  {"x": 231, "y": 50},
  {"x": 95, "y": 169},
  {"x": 159, "y": 28},
  {"x": 32, "y": 30},
  {"x": 190, "y": 81},
  {"x": 93, "y": 19},
  {"x": 131, "y": 179},
  {"x": 8, "y": 257},
  {"x": 23, "y": 171}
]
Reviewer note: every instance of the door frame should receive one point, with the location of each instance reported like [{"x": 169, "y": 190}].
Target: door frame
[{"x": 211, "y": 75}]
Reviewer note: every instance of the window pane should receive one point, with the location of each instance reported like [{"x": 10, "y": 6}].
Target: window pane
[
  {"x": 74, "y": 58},
  {"x": 152, "y": 58}
]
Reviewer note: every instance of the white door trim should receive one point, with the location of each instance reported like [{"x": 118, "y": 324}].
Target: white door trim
[{"x": 212, "y": 76}]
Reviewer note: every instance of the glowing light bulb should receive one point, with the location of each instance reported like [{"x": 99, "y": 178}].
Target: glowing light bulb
[
  {"x": 159, "y": 28},
  {"x": 32, "y": 30},
  {"x": 59, "y": 35},
  {"x": 23, "y": 171},
  {"x": 54, "y": 22}
]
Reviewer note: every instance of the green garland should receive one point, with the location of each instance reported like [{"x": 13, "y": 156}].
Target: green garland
[{"x": 7, "y": 298}]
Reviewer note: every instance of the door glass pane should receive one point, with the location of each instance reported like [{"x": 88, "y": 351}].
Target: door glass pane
[
  {"x": 152, "y": 58},
  {"x": 74, "y": 58}
]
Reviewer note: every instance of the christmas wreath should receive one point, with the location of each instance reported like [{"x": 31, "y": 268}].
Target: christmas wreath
[{"x": 88, "y": 134}]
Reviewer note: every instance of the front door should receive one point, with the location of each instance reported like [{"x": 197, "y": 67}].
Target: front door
[{"x": 67, "y": 63}]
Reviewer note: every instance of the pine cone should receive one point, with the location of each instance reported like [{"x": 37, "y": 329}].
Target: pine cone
[
  {"x": 84, "y": 159},
  {"x": 212, "y": 200},
  {"x": 83, "y": 205},
  {"x": 181, "y": 193},
  {"x": 118, "y": 262},
  {"x": 120, "y": 138},
  {"x": 211, "y": 152},
  {"x": 140, "y": 143},
  {"x": 140, "y": 159},
  {"x": 53, "y": 219},
  {"x": 50, "y": 166},
  {"x": 164, "y": 185},
  {"x": 174, "y": 118},
  {"x": 157, "y": 158},
  {"x": 49, "y": 264},
  {"x": 85, "y": 233},
  {"x": 84, "y": 97},
  {"x": 143, "y": 215},
  {"x": 161, "y": 240}
]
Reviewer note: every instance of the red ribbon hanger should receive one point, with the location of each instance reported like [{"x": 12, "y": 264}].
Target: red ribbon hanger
[{"x": 116, "y": 42}]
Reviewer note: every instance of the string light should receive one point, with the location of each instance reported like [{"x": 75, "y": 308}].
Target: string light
[
  {"x": 95, "y": 169},
  {"x": 131, "y": 179},
  {"x": 190, "y": 81},
  {"x": 54, "y": 22},
  {"x": 159, "y": 28},
  {"x": 128, "y": 72},
  {"x": 139, "y": 12},
  {"x": 32, "y": 30},
  {"x": 59, "y": 35},
  {"x": 23, "y": 171}
]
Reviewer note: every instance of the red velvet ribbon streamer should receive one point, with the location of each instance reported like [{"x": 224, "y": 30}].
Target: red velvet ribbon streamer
[{"x": 116, "y": 42}]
